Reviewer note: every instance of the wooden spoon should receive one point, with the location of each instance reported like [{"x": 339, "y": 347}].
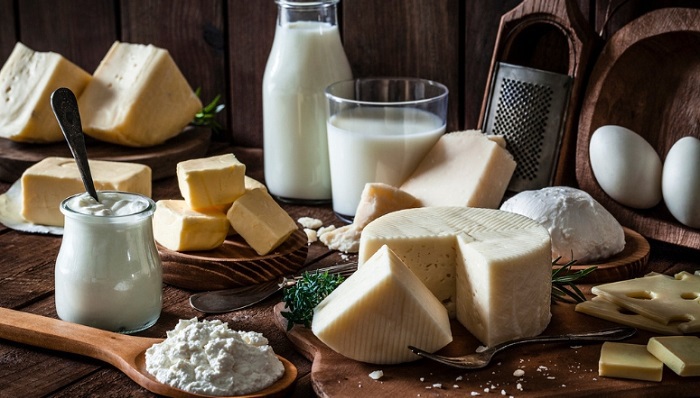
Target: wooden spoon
[{"x": 126, "y": 353}]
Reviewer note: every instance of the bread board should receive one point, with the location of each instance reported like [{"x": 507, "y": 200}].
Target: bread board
[
  {"x": 647, "y": 79},
  {"x": 233, "y": 264},
  {"x": 193, "y": 142}
]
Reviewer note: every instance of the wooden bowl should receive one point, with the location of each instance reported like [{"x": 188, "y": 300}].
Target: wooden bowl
[{"x": 646, "y": 79}]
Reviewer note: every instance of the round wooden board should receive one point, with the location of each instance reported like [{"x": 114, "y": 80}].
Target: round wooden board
[
  {"x": 233, "y": 264},
  {"x": 631, "y": 262},
  {"x": 162, "y": 159}
]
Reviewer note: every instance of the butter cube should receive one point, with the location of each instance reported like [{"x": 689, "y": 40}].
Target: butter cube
[
  {"x": 177, "y": 227},
  {"x": 138, "y": 97},
  {"x": 48, "y": 182},
  {"x": 27, "y": 81},
  {"x": 211, "y": 182},
  {"x": 680, "y": 353},
  {"x": 463, "y": 168},
  {"x": 629, "y": 361},
  {"x": 261, "y": 222}
]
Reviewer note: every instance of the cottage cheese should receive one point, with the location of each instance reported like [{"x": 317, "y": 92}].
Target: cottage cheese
[{"x": 208, "y": 358}]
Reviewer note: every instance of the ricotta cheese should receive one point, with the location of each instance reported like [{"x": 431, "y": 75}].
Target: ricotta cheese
[
  {"x": 580, "y": 227},
  {"x": 208, "y": 358},
  {"x": 490, "y": 268}
]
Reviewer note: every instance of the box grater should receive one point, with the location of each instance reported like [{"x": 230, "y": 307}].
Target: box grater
[{"x": 528, "y": 107}]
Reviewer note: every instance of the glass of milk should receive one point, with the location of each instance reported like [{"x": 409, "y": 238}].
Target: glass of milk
[
  {"x": 108, "y": 271},
  {"x": 379, "y": 129}
]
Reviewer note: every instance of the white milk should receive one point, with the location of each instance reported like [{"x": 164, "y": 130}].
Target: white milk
[
  {"x": 305, "y": 58},
  {"x": 108, "y": 272},
  {"x": 376, "y": 145}
]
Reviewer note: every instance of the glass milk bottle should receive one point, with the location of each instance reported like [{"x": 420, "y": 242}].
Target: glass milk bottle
[
  {"x": 108, "y": 271},
  {"x": 307, "y": 55}
]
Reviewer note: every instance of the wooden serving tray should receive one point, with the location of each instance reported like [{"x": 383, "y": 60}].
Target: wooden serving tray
[
  {"x": 233, "y": 264},
  {"x": 162, "y": 159},
  {"x": 646, "y": 79}
]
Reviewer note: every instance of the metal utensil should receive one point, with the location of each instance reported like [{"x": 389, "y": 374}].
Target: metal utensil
[
  {"x": 65, "y": 107},
  {"x": 481, "y": 359},
  {"x": 227, "y": 300}
]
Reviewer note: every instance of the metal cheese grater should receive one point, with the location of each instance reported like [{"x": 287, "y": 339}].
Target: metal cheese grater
[{"x": 528, "y": 107}]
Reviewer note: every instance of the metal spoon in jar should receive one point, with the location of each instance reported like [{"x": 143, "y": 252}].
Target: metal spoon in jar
[{"x": 65, "y": 107}]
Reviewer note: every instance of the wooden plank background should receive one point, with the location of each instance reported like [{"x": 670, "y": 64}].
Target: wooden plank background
[{"x": 222, "y": 45}]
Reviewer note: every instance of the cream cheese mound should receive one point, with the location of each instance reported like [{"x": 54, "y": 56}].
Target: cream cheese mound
[
  {"x": 208, "y": 358},
  {"x": 579, "y": 225}
]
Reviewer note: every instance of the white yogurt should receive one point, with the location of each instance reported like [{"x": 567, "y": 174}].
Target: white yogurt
[
  {"x": 108, "y": 271},
  {"x": 208, "y": 358}
]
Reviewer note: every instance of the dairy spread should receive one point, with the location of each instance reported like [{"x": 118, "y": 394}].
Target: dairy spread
[
  {"x": 581, "y": 229},
  {"x": 209, "y": 358}
]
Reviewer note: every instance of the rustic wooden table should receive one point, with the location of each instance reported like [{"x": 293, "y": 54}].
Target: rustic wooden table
[{"x": 27, "y": 284}]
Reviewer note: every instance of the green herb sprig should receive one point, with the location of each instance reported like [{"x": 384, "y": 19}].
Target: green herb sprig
[
  {"x": 206, "y": 117},
  {"x": 564, "y": 288},
  {"x": 306, "y": 294}
]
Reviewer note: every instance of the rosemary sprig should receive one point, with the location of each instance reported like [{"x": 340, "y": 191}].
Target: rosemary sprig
[
  {"x": 306, "y": 294},
  {"x": 206, "y": 117},
  {"x": 564, "y": 288}
]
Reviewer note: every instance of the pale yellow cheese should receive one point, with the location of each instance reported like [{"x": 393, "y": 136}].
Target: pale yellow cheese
[
  {"x": 463, "y": 168},
  {"x": 48, "y": 182},
  {"x": 251, "y": 183},
  {"x": 262, "y": 223},
  {"x": 138, "y": 97},
  {"x": 604, "y": 309},
  {"x": 177, "y": 227},
  {"x": 629, "y": 361},
  {"x": 680, "y": 353},
  {"x": 490, "y": 268},
  {"x": 663, "y": 298},
  {"x": 215, "y": 181},
  {"x": 27, "y": 80},
  {"x": 380, "y": 310}
]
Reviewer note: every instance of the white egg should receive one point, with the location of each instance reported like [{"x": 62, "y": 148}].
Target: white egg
[
  {"x": 680, "y": 182},
  {"x": 626, "y": 167}
]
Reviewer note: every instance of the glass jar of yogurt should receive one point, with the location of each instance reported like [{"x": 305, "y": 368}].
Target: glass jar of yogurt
[{"x": 108, "y": 271}]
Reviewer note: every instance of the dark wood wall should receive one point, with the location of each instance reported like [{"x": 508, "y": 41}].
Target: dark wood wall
[{"x": 222, "y": 45}]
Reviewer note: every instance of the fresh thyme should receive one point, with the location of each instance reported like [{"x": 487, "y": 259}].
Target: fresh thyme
[
  {"x": 306, "y": 294},
  {"x": 206, "y": 117},
  {"x": 564, "y": 288}
]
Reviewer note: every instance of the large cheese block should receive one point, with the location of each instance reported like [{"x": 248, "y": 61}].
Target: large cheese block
[
  {"x": 214, "y": 181},
  {"x": 27, "y": 80},
  {"x": 629, "y": 361},
  {"x": 379, "y": 311},
  {"x": 260, "y": 221},
  {"x": 490, "y": 268},
  {"x": 177, "y": 227},
  {"x": 463, "y": 168},
  {"x": 138, "y": 97},
  {"x": 48, "y": 182}
]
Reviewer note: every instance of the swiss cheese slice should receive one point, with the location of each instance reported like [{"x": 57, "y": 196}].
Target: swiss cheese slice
[
  {"x": 629, "y": 361},
  {"x": 177, "y": 227},
  {"x": 663, "y": 298},
  {"x": 138, "y": 97},
  {"x": 379, "y": 311},
  {"x": 48, "y": 182},
  {"x": 604, "y": 309},
  {"x": 27, "y": 80},
  {"x": 490, "y": 268},
  {"x": 463, "y": 168},
  {"x": 214, "y": 181},
  {"x": 680, "y": 353}
]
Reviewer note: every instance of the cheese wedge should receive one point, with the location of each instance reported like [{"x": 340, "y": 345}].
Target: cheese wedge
[
  {"x": 463, "y": 168},
  {"x": 177, "y": 227},
  {"x": 680, "y": 353},
  {"x": 215, "y": 181},
  {"x": 138, "y": 97},
  {"x": 380, "y": 310},
  {"x": 27, "y": 80},
  {"x": 629, "y": 361},
  {"x": 261, "y": 222},
  {"x": 604, "y": 309},
  {"x": 663, "y": 298},
  {"x": 48, "y": 182},
  {"x": 490, "y": 268}
]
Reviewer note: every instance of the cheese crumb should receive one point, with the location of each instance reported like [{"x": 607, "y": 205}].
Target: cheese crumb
[
  {"x": 323, "y": 230},
  {"x": 376, "y": 375},
  {"x": 481, "y": 348},
  {"x": 311, "y": 223},
  {"x": 519, "y": 373},
  {"x": 311, "y": 235}
]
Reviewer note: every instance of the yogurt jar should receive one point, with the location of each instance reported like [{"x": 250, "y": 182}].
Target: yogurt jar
[{"x": 108, "y": 271}]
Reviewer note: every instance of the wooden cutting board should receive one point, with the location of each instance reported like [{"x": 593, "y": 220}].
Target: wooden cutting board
[
  {"x": 553, "y": 370},
  {"x": 162, "y": 159}
]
